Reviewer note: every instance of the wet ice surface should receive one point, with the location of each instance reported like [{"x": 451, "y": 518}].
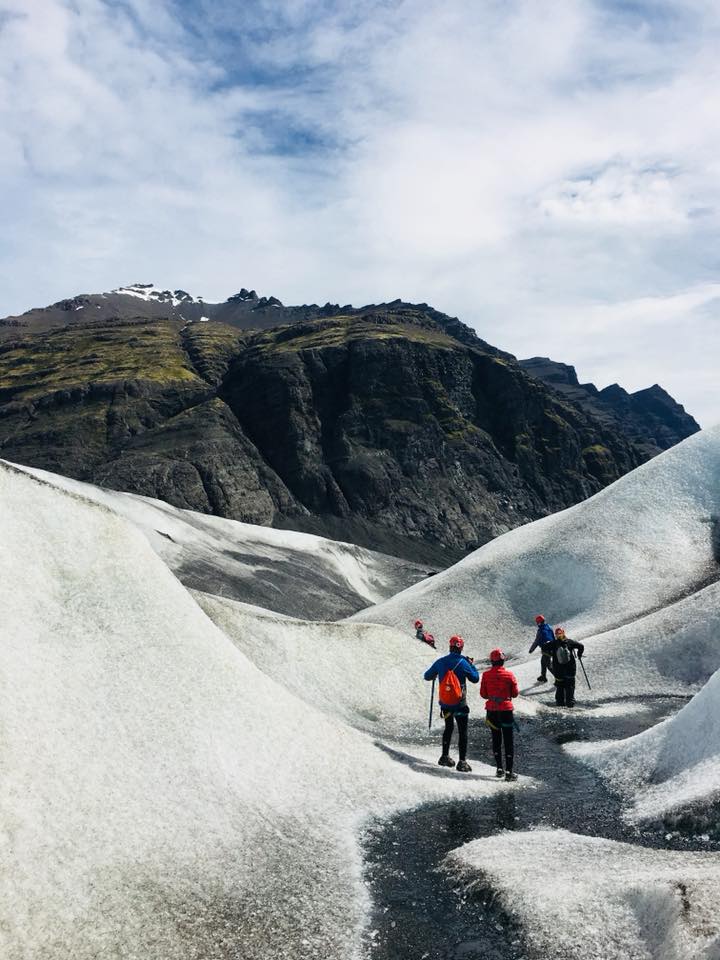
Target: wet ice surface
[
  {"x": 191, "y": 785},
  {"x": 671, "y": 770},
  {"x": 644, "y": 542},
  {"x": 421, "y": 911},
  {"x": 161, "y": 795},
  {"x": 596, "y": 898},
  {"x": 293, "y": 573}
]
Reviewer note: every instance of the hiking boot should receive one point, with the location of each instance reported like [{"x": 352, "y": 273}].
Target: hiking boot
[
  {"x": 446, "y": 761},
  {"x": 510, "y": 776},
  {"x": 463, "y": 767},
  {"x": 542, "y": 679},
  {"x": 499, "y": 773}
]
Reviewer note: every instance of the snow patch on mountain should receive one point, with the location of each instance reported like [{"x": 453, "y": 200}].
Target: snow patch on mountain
[
  {"x": 149, "y": 292},
  {"x": 596, "y": 899}
]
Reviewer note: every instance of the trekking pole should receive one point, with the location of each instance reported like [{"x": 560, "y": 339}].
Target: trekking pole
[
  {"x": 584, "y": 672},
  {"x": 432, "y": 701}
]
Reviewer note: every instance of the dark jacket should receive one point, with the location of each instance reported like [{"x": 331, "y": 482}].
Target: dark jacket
[
  {"x": 464, "y": 670},
  {"x": 543, "y": 637},
  {"x": 560, "y": 669}
]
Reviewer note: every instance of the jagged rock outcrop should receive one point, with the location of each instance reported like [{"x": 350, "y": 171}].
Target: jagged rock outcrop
[
  {"x": 392, "y": 426},
  {"x": 650, "y": 417}
]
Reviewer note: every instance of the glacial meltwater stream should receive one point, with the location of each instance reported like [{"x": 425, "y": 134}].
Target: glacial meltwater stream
[{"x": 421, "y": 913}]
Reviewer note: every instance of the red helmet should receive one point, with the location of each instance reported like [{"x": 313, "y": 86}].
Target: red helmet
[
  {"x": 539, "y": 618},
  {"x": 559, "y": 632},
  {"x": 418, "y": 623},
  {"x": 496, "y": 654},
  {"x": 456, "y": 643}
]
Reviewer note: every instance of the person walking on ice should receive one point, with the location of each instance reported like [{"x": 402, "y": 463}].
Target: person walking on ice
[
  {"x": 499, "y": 687},
  {"x": 422, "y": 634},
  {"x": 564, "y": 667},
  {"x": 452, "y": 671},
  {"x": 543, "y": 638}
]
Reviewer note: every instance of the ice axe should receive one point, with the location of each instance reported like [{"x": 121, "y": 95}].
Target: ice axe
[
  {"x": 582, "y": 667},
  {"x": 432, "y": 701}
]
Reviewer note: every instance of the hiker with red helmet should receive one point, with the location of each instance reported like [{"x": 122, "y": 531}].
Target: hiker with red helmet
[
  {"x": 543, "y": 638},
  {"x": 564, "y": 666},
  {"x": 499, "y": 687},
  {"x": 422, "y": 634},
  {"x": 453, "y": 670}
]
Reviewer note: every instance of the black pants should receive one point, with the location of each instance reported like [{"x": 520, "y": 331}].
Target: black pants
[
  {"x": 461, "y": 718},
  {"x": 502, "y": 723},
  {"x": 545, "y": 661},
  {"x": 565, "y": 691}
]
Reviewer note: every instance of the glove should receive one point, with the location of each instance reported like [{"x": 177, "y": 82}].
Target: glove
[{"x": 579, "y": 654}]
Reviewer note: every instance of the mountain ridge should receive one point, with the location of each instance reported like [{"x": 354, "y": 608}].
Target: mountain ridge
[{"x": 393, "y": 426}]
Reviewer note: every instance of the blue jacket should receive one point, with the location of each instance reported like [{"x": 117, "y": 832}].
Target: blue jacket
[
  {"x": 544, "y": 635},
  {"x": 464, "y": 670}
]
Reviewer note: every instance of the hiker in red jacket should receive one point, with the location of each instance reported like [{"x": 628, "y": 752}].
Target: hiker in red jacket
[{"x": 499, "y": 687}]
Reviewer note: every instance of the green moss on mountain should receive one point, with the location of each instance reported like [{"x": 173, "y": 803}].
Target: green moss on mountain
[
  {"x": 75, "y": 356},
  {"x": 339, "y": 330},
  {"x": 387, "y": 427}
]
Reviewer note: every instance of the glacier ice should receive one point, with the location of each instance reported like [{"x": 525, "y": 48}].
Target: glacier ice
[
  {"x": 161, "y": 796},
  {"x": 596, "y": 899},
  {"x": 673, "y": 767},
  {"x": 640, "y": 544},
  {"x": 295, "y": 573}
]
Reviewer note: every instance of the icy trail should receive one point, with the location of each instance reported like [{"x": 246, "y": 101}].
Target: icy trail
[{"x": 526, "y": 886}]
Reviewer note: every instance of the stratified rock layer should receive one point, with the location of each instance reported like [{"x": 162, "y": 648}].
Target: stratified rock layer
[{"x": 393, "y": 427}]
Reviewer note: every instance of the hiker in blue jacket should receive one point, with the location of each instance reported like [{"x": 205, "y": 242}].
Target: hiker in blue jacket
[
  {"x": 543, "y": 637},
  {"x": 453, "y": 699}
]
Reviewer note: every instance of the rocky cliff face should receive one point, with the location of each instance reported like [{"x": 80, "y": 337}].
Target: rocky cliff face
[
  {"x": 650, "y": 418},
  {"x": 393, "y": 427}
]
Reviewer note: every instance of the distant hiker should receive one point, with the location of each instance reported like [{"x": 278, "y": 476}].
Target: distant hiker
[
  {"x": 543, "y": 638},
  {"x": 453, "y": 670},
  {"x": 499, "y": 687},
  {"x": 421, "y": 634},
  {"x": 564, "y": 667}
]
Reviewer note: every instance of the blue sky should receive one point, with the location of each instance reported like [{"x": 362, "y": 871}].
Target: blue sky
[{"x": 547, "y": 173}]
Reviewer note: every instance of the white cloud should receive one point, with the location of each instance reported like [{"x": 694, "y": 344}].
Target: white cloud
[
  {"x": 550, "y": 177},
  {"x": 619, "y": 195}
]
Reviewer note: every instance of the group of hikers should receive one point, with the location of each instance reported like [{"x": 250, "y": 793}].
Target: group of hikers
[{"x": 498, "y": 687}]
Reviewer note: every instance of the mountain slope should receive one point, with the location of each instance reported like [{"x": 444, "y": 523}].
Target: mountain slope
[
  {"x": 394, "y": 426},
  {"x": 650, "y": 417}
]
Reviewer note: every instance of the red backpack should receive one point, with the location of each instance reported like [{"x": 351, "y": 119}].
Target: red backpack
[{"x": 451, "y": 692}]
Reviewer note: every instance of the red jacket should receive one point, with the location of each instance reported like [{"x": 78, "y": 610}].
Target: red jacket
[{"x": 498, "y": 686}]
